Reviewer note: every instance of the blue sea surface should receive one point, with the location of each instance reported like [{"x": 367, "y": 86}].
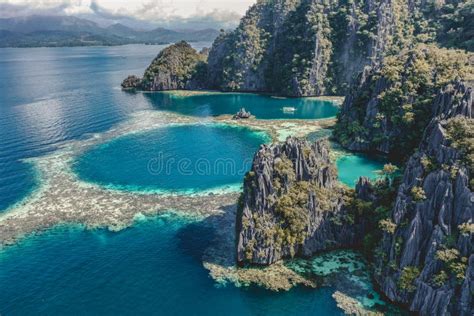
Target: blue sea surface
[
  {"x": 175, "y": 159},
  {"x": 153, "y": 268}
]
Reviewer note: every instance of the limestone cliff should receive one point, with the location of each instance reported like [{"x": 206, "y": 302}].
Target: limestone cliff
[
  {"x": 302, "y": 47},
  {"x": 292, "y": 204},
  {"x": 311, "y": 47},
  {"x": 419, "y": 229},
  {"x": 426, "y": 257}
]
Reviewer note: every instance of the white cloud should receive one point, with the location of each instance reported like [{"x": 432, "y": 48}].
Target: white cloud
[
  {"x": 171, "y": 13},
  {"x": 141, "y": 9},
  {"x": 164, "y": 13}
]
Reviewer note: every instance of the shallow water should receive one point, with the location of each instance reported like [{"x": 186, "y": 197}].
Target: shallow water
[
  {"x": 261, "y": 106},
  {"x": 152, "y": 268},
  {"x": 353, "y": 166},
  {"x": 186, "y": 158}
]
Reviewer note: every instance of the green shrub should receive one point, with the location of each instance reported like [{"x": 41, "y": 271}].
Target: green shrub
[
  {"x": 461, "y": 133},
  {"x": 292, "y": 208},
  {"x": 428, "y": 164},
  {"x": 388, "y": 226},
  {"x": 457, "y": 265},
  {"x": 440, "y": 278},
  {"x": 447, "y": 255},
  {"x": 418, "y": 194},
  {"x": 459, "y": 269},
  {"x": 407, "y": 278},
  {"x": 466, "y": 228}
]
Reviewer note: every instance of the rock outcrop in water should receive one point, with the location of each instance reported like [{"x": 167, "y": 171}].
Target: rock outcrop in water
[
  {"x": 293, "y": 204},
  {"x": 131, "y": 83},
  {"x": 426, "y": 259},
  {"x": 242, "y": 114},
  {"x": 177, "y": 67}
]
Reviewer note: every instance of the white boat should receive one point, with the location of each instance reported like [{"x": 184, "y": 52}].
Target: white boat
[{"x": 289, "y": 109}]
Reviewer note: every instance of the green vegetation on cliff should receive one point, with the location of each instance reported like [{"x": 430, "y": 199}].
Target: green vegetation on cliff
[
  {"x": 461, "y": 133},
  {"x": 314, "y": 47},
  {"x": 401, "y": 91},
  {"x": 309, "y": 47},
  {"x": 175, "y": 67},
  {"x": 451, "y": 23}
]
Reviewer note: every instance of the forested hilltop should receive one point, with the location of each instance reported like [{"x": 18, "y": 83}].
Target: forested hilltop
[{"x": 316, "y": 47}]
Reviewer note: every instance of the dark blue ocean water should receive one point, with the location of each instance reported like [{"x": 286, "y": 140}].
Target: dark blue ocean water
[
  {"x": 153, "y": 268},
  {"x": 52, "y": 95}
]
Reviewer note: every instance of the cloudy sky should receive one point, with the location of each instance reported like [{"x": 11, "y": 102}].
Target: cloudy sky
[{"x": 170, "y": 13}]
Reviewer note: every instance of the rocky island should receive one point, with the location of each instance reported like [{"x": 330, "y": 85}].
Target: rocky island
[
  {"x": 307, "y": 48},
  {"x": 177, "y": 67},
  {"x": 242, "y": 114},
  {"x": 293, "y": 204}
]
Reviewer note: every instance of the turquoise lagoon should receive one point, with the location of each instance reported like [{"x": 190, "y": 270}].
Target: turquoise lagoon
[
  {"x": 68, "y": 93},
  {"x": 191, "y": 159},
  {"x": 176, "y": 159},
  {"x": 353, "y": 166},
  {"x": 262, "y": 106}
]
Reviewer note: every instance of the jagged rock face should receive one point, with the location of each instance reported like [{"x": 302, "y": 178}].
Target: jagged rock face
[
  {"x": 388, "y": 106},
  {"x": 286, "y": 46},
  {"x": 427, "y": 263},
  {"x": 292, "y": 204}
]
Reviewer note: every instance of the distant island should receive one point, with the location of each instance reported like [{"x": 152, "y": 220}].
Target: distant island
[{"x": 62, "y": 31}]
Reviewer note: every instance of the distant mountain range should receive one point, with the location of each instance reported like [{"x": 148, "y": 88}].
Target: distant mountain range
[{"x": 55, "y": 31}]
